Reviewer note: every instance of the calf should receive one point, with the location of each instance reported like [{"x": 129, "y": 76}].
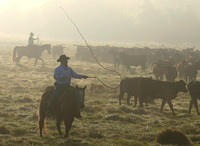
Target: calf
[
  {"x": 129, "y": 86},
  {"x": 194, "y": 90},
  {"x": 190, "y": 71},
  {"x": 160, "y": 89},
  {"x": 180, "y": 67},
  {"x": 170, "y": 73},
  {"x": 158, "y": 71}
]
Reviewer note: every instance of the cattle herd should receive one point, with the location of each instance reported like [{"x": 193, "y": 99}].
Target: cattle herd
[
  {"x": 166, "y": 64},
  {"x": 57, "y": 50}
]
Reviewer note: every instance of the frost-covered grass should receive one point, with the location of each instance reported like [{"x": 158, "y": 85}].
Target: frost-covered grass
[{"x": 104, "y": 122}]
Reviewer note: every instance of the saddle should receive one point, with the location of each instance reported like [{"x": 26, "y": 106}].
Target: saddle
[{"x": 49, "y": 91}]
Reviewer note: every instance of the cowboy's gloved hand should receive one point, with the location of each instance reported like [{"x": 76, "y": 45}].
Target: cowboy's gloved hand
[
  {"x": 85, "y": 77},
  {"x": 65, "y": 77}
]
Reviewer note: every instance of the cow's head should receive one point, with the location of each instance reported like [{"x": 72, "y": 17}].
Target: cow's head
[{"x": 182, "y": 86}]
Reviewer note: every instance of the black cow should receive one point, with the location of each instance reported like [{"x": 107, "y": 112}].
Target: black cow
[
  {"x": 160, "y": 89},
  {"x": 158, "y": 71},
  {"x": 129, "y": 86},
  {"x": 190, "y": 71},
  {"x": 170, "y": 73},
  {"x": 57, "y": 50},
  {"x": 194, "y": 90},
  {"x": 133, "y": 60}
]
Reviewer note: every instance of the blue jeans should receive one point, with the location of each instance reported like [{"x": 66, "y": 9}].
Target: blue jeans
[{"x": 58, "y": 90}]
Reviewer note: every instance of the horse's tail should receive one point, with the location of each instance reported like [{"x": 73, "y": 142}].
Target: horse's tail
[
  {"x": 14, "y": 55},
  {"x": 41, "y": 121}
]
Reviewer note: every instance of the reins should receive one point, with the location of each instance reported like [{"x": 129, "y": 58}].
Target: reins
[{"x": 93, "y": 54}]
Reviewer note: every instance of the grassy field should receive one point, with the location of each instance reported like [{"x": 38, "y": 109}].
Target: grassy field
[{"x": 104, "y": 122}]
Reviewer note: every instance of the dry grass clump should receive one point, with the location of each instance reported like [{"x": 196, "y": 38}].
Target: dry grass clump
[
  {"x": 25, "y": 100},
  {"x": 95, "y": 133},
  {"x": 126, "y": 118},
  {"x": 196, "y": 138},
  {"x": 92, "y": 109},
  {"x": 172, "y": 137},
  {"x": 19, "y": 132},
  {"x": 139, "y": 111},
  {"x": 112, "y": 110},
  {"x": 114, "y": 117},
  {"x": 126, "y": 109},
  {"x": 4, "y": 130},
  {"x": 4, "y": 100},
  {"x": 190, "y": 129}
]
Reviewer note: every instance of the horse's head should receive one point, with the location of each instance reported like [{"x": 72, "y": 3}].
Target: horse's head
[
  {"x": 47, "y": 47},
  {"x": 80, "y": 95}
]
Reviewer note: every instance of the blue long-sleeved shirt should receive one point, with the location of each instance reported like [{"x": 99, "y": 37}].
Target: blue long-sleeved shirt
[{"x": 62, "y": 71}]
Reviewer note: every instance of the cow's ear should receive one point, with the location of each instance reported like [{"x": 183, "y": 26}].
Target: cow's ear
[{"x": 84, "y": 87}]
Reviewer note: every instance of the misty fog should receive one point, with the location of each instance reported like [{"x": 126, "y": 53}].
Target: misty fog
[{"x": 101, "y": 20}]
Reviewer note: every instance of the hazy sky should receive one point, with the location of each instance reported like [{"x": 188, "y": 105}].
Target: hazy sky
[{"x": 103, "y": 20}]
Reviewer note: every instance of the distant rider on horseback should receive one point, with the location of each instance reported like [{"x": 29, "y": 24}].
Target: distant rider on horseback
[
  {"x": 31, "y": 39},
  {"x": 63, "y": 74}
]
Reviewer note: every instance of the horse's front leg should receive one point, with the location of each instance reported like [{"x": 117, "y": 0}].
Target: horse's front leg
[
  {"x": 68, "y": 124},
  {"x": 36, "y": 61},
  {"x": 58, "y": 124},
  {"x": 42, "y": 61},
  {"x": 18, "y": 59}
]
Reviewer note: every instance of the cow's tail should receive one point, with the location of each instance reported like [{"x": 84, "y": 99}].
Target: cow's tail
[
  {"x": 14, "y": 54},
  {"x": 138, "y": 93},
  {"x": 122, "y": 90}
]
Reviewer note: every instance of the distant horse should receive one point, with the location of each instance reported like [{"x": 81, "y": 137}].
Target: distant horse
[
  {"x": 65, "y": 109},
  {"x": 33, "y": 52}
]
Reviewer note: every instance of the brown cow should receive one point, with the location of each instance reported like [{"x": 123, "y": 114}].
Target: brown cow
[
  {"x": 194, "y": 90},
  {"x": 165, "y": 67},
  {"x": 180, "y": 66},
  {"x": 160, "y": 89},
  {"x": 190, "y": 71},
  {"x": 158, "y": 71},
  {"x": 170, "y": 73}
]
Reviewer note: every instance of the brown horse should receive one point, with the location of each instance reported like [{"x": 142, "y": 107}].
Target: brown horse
[
  {"x": 30, "y": 52},
  {"x": 65, "y": 109}
]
